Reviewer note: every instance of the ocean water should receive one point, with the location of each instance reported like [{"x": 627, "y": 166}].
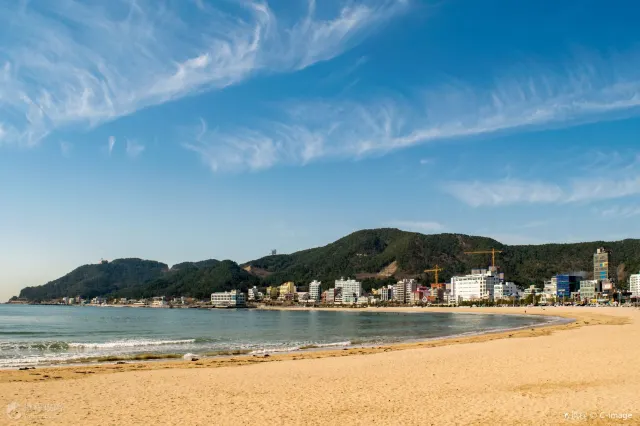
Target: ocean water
[{"x": 31, "y": 335}]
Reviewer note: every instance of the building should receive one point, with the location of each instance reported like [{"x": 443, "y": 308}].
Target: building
[
  {"x": 158, "y": 301},
  {"x": 634, "y": 285},
  {"x": 329, "y": 296},
  {"x": 567, "y": 284},
  {"x": 420, "y": 295},
  {"x": 228, "y": 299},
  {"x": 254, "y": 294},
  {"x": 478, "y": 286},
  {"x": 403, "y": 290},
  {"x": 550, "y": 290},
  {"x": 314, "y": 291},
  {"x": 505, "y": 290},
  {"x": 272, "y": 292},
  {"x": 607, "y": 287},
  {"x": 436, "y": 293},
  {"x": 302, "y": 296},
  {"x": 386, "y": 293},
  {"x": 287, "y": 288},
  {"x": 601, "y": 264},
  {"x": 351, "y": 290},
  {"x": 589, "y": 290},
  {"x": 530, "y": 291}
]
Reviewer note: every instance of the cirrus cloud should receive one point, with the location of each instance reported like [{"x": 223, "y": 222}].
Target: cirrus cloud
[{"x": 73, "y": 62}]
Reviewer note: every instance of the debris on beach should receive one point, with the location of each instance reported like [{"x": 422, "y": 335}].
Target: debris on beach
[{"x": 190, "y": 357}]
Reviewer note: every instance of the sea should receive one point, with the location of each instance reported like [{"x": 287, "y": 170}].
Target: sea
[{"x": 42, "y": 335}]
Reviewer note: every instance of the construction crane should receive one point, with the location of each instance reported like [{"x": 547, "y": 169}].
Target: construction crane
[
  {"x": 492, "y": 252},
  {"x": 436, "y": 270}
]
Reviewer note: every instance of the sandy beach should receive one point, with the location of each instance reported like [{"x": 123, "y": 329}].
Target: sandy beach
[{"x": 582, "y": 372}]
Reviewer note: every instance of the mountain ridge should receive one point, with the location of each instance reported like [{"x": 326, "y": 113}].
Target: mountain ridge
[{"x": 366, "y": 254}]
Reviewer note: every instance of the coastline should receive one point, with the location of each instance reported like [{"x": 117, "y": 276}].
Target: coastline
[
  {"x": 348, "y": 345},
  {"x": 527, "y": 362},
  {"x": 64, "y": 370}
]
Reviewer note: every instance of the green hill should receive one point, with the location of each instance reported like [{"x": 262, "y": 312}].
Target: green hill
[
  {"x": 366, "y": 253},
  {"x": 198, "y": 280},
  {"x": 97, "y": 280},
  {"x": 375, "y": 256}
]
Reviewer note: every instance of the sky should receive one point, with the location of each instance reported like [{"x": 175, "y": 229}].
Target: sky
[{"x": 179, "y": 130}]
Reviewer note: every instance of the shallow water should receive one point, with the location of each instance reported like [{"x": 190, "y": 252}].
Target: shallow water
[{"x": 45, "y": 334}]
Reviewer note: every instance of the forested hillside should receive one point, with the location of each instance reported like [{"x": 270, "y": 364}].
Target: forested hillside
[{"x": 375, "y": 256}]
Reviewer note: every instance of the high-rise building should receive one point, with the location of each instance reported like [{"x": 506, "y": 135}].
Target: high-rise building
[
  {"x": 314, "y": 291},
  {"x": 474, "y": 286},
  {"x": 403, "y": 290},
  {"x": 601, "y": 264},
  {"x": 386, "y": 293},
  {"x": 634, "y": 285},
  {"x": 351, "y": 290}
]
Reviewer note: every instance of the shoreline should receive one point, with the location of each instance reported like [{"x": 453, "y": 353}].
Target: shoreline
[
  {"x": 155, "y": 361},
  {"x": 155, "y": 357},
  {"x": 576, "y": 372}
]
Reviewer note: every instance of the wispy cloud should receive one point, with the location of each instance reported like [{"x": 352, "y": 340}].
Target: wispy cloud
[
  {"x": 511, "y": 191},
  {"x": 604, "y": 188},
  {"x": 499, "y": 193},
  {"x": 591, "y": 91},
  {"x": 418, "y": 226},
  {"x": 111, "y": 143},
  {"x": 426, "y": 161},
  {"x": 85, "y": 63},
  {"x": 134, "y": 149},
  {"x": 621, "y": 212},
  {"x": 65, "y": 148}
]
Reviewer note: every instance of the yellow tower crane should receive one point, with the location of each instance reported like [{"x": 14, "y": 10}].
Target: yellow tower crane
[
  {"x": 492, "y": 252},
  {"x": 436, "y": 270}
]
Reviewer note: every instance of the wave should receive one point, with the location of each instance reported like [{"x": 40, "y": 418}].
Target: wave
[
  {"x": 299, "y": 347},
  {"x": 130, "y": 344},
  {"x": 331, "y": 345},
  {"x": 34, "y": 346},
  {"x": 274, "y": 350}
]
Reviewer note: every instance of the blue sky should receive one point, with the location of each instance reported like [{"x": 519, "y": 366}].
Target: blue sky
[{"x": 185, "y": 130}]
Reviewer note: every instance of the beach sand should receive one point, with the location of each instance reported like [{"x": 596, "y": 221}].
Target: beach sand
[{"x": 578, "y": 373}]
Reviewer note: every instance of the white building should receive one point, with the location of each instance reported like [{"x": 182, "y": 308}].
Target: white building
[
  {"x": 314, "y": 291},
  {"x": 302, "y": 296},
  {"x": 474, "y": 287},
  {"x": 158, "y": 301},
  {"x": 506, "y": 290},
  {"x": 386, "y": 293},
  {"x": 253, "y": 293},
  {"x": 589, "y": 290},
  {"x": 551, "y": 287},
  {"x": 351, "y": 290},
  {"x": 634, "y": 285},
  {"x": 228, "y": 299},
  {"x": 404, "y": 289}
]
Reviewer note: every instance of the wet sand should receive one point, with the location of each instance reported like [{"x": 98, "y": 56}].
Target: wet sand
[{"x": 573, "y": 373}]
